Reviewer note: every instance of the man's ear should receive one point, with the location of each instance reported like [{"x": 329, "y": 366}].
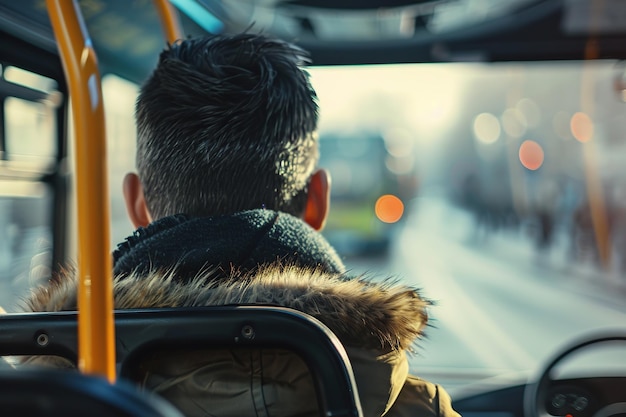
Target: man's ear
[
  {"x": 135, "y": 201},
  {"x": 318, "y": 200}
]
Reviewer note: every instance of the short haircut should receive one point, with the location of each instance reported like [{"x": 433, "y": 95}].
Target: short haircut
[{"x": 227, "y": 123}]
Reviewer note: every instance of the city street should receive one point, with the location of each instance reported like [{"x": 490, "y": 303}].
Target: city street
[{"x": 501, "y": 306}]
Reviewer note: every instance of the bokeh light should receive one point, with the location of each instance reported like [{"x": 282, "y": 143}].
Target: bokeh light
[
  {"x": 514, "y": 123},
  {"x": 389, "y": 208},
  {"x": 486, "y": 128},
  {"x": 398, "y": 142},
  {"x": 582, "y": 127},
  {"x": 400, "y": 166},
  {"x": 531, "y": 155},
  {"x": 530, "y": 110}
]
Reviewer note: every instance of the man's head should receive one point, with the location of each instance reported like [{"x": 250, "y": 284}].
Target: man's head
[{"x": 225, "y": 124}]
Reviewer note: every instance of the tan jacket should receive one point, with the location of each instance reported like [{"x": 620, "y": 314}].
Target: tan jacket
[{"x": 378, "y": 323}]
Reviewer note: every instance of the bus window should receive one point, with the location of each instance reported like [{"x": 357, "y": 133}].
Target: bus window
[
  {"x": 29, "y": 116},
  {"x": 27, "y": 159}
]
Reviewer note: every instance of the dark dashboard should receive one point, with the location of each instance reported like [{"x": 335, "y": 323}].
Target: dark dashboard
[
  {"x": 585, "y": 379},
  {"x": 574, "y": 397}
]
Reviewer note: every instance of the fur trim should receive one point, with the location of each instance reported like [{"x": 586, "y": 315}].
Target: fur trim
[{"x": 361, "y": 312}]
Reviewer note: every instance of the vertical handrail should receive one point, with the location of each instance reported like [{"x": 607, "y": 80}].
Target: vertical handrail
[
  {"x": 593, "y": 180},
  {"x": 96, "y": 333},
  {"x": 169, "y": 21}
]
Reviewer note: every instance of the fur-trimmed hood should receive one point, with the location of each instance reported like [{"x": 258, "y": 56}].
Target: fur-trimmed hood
[{"x": 362, "y": 312}]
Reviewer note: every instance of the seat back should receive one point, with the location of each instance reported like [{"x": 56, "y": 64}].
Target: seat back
[
  {"x": 140, "y": 332},
  {"x": 29, "y": 393}
]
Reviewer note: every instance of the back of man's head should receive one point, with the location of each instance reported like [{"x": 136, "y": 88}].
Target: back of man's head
[{"x": 225, "y": 124}]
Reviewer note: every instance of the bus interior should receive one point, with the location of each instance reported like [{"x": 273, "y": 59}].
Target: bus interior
[{"x": 477, "y": 152}]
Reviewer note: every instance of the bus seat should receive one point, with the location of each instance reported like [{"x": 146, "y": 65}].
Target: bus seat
[
  {"x": 30, "y": 393},
  {"x": 142, "y": 332}
]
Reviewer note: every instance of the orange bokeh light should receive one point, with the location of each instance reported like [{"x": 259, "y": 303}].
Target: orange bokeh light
[
  {"x": 581, "y": 126},
  {"x": 389, "y": 208},
  {"x": 531, "y": 155}
]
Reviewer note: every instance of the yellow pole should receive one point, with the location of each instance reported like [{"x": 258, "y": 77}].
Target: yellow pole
[
  {"x": 96, "y": 333},
  {"x": 595, "y": 192},
  {"x": 169, "y": 20}
]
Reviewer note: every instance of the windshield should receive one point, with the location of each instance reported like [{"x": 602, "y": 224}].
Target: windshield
[{"x": 511, "y": 201}]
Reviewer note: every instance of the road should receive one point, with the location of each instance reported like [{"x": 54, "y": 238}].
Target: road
[{"x": 500, "y": 305}]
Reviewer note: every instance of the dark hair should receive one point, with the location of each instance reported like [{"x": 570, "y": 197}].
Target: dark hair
[{"x": 227, "y": 123}]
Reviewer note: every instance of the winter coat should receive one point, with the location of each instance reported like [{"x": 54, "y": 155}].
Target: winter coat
[{"x": 377, "y": 321}]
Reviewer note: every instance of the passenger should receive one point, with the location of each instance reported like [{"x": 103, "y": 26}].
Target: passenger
[{"x": 227, "y": 203}]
